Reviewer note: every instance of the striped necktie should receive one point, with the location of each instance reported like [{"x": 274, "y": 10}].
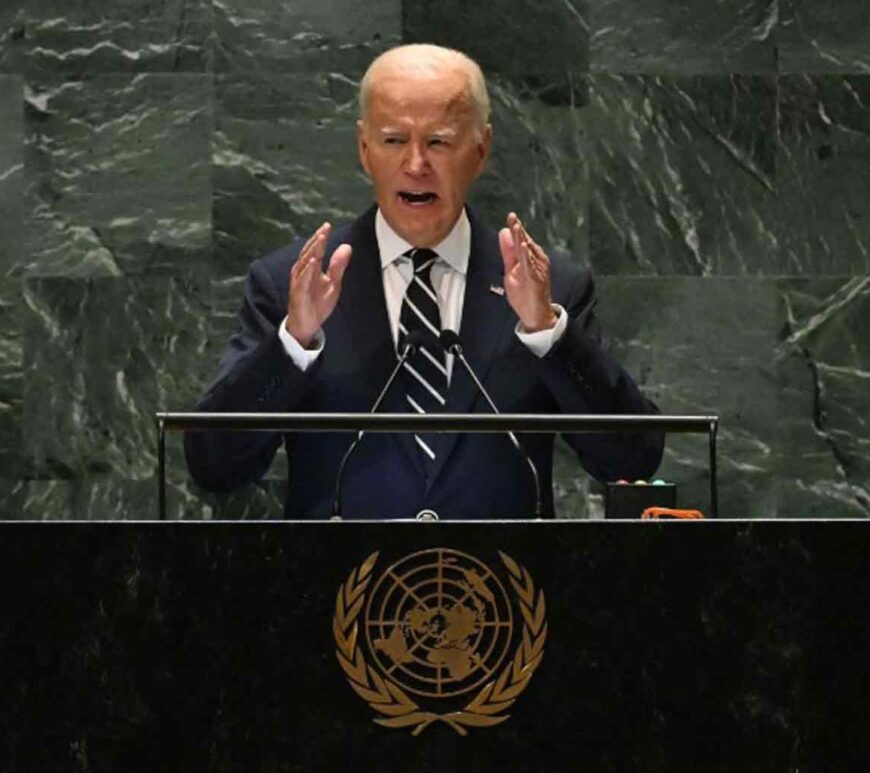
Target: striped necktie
[{"x": 425, "y": 374}]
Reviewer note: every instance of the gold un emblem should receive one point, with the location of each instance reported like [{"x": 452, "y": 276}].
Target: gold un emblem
[{"x": 432, "y": 638}]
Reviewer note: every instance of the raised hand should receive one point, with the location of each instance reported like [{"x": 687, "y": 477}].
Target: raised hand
[
  {"x": 313, "y": 293},
  {"x": 526, "y": 276}
]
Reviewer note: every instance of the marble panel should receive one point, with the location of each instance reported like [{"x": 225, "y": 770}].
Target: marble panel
[
  {"x": 682, "y": 36},
  {"x": 824, "y": 36},
  {"x": 11, "y": 385},
  {"x": 682, "y": 171},
  {"x": 11, "y": 165},
  {"x": 109, "y": 498},
  {"x": 36, "y": 500},
  {"x": 263, "y": 500},
  {"x": 823, "y": 362},
  {"x": 101, "y": 357},
  {"x": 575, "y": 495},
  {"x": 543, "y": 44},
  {"x": 92, "y": 499},
  {"x": 822, "y": 213},
  {"x": 303, "y": 36},
  {"x": 705, "y": 346},
  {"x": 284, "y": 160},
  {"x": 11, "y": 173},
  {"x": 538, "y": 168},
  {"x": 133, "y": 36},
  {"x": 118, "y": 174}
]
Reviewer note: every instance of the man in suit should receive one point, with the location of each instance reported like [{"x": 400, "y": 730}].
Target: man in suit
[{"x": 323, "y": 321}]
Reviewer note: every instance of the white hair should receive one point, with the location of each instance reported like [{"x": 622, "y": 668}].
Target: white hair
[{"x": 429, "y": 60}]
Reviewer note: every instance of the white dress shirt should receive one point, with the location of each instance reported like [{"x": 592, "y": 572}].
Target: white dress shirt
[{"x": 448, "y": 281}]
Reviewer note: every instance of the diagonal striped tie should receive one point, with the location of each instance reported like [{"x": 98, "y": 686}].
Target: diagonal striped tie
[{"x": 425, "y": 374}]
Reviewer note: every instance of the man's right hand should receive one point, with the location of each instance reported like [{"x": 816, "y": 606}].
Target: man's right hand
[{"x": 313, "y": 294}]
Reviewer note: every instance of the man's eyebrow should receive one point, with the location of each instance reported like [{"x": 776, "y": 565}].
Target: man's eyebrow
[{"x": 443, "y": 133}]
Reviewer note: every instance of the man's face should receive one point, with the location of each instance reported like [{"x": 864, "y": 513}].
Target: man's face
[{"x": 422, "y": 147}]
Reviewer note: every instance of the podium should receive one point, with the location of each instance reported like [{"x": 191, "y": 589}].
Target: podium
[{"x": 621, "y": 646}]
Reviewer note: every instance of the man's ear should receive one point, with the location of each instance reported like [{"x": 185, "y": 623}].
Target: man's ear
[
  {"x": 484, "y": 144},
  {"x": 362, "y": 145}
]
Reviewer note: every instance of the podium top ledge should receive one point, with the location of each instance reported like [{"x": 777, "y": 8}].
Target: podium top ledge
[{"x": 441, "y": 422}]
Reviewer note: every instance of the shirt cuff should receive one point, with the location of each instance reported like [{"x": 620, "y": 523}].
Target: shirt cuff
[
  {"x": 302, "y": 358},
  {"x": 541, "y": 342}
]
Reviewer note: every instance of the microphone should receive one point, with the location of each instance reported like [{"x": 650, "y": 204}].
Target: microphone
[
  {"x": 450, "y": 341},
  {"x": 413, "y": 341}
]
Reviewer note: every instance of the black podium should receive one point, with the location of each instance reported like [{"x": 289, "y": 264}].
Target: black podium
[{"x": 521, "y": 646}]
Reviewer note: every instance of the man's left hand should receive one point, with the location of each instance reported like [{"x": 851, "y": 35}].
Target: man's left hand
[{"x": 526, "y": 277}]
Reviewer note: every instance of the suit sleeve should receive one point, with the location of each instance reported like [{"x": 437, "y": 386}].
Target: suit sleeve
[
  {"x": 584, "y": 378},
  {"x": 255, "y": 375}
]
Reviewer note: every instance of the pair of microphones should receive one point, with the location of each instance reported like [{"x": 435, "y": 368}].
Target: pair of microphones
[{"x": 449, "y": 341}]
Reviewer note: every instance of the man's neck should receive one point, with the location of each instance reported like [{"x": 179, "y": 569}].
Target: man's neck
[{"x": 454, "y": 249}]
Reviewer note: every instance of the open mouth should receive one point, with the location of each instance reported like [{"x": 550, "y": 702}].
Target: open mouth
[{"x": 417, "y": 199}]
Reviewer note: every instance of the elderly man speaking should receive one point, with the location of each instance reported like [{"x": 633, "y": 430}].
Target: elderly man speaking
[{"x": 325, "y": 321}]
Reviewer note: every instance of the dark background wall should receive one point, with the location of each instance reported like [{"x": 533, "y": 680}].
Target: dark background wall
[{"x": 710, "y": 161}]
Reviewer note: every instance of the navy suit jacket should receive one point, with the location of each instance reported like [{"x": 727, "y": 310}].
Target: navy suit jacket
[{"x": 476, "y": 475}]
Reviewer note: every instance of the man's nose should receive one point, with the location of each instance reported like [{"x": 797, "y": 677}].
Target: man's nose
[{"x": 418, "y": 159}]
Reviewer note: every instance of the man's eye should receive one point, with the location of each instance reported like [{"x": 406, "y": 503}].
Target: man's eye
[
  {"x": 437, "y": 141},
  {"x": 393, "y": 140}
]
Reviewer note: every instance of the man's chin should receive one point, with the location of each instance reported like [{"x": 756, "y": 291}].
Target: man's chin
[
  {"x": 420, "y": 227},
  {"x": 422, "y": 237}
]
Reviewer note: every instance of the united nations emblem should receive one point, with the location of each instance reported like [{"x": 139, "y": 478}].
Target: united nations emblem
[{"x": 433, "y": 639}]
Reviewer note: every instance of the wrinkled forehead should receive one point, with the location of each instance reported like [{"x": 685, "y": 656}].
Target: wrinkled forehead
[{"x": 409, "y": 89}]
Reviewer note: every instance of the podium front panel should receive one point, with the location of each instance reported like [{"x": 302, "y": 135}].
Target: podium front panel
[{"x": 539, "y": 646}]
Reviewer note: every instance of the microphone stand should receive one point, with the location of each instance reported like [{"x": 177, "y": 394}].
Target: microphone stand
[
  {"x": 450, "y": 342},
  {"x": 413, "y": 341}
]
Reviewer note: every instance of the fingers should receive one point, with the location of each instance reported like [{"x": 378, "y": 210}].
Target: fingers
[
  {"x": 310, "y": 256},
  {"x": 315, "y": 247},
  {"x": 317, "y": 244},
  {"x": 338, "y": 263},
  {"x": 323, "y": 227},
  {"x": 521, "y": 244},
  {"x": 528, "y": 251},
  {"x": 538, "y": 261},
  {"x": 508, "y": 249}
]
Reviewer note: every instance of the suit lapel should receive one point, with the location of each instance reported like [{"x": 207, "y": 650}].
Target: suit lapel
[
  {"x": 486, "y": 319},
  {"x": 363, "y": 309}
]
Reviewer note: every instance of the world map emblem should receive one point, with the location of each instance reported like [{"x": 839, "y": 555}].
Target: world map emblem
[{"x": 439, "y": 636}]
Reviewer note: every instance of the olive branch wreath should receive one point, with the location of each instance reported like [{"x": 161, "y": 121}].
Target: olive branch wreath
[{"x": 386, "y": 697}]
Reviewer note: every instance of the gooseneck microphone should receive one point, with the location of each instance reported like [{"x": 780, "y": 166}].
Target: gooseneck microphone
[
  {"x": 450, "y": 341},
  {"x": 413, "y": 341}
]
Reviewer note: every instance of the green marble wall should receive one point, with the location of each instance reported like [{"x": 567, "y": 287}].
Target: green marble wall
[{"x": 708, "y": 159}]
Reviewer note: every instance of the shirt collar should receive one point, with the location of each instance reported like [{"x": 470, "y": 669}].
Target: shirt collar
[{"x": 453, "y": 250}]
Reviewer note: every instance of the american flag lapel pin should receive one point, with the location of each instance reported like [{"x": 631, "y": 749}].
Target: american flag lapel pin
[{"x": 496, "y": 289}]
